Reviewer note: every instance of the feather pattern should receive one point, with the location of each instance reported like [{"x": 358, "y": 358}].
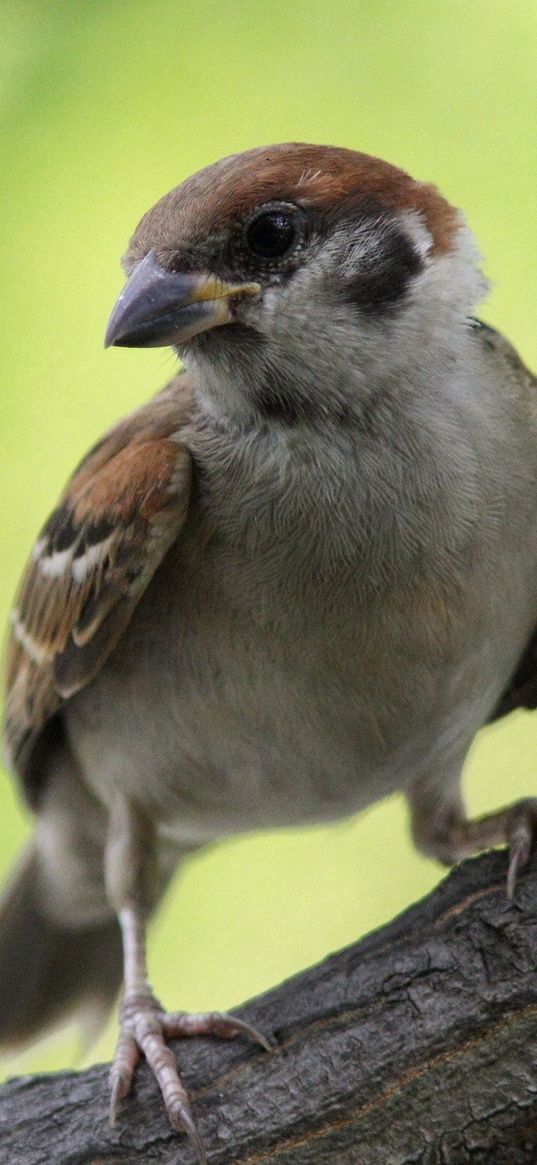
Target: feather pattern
[{"x": 120, "y": 513}]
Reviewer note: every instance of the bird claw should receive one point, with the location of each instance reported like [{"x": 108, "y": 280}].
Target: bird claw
[
  {"x": 187, "y": 1124},
  {"x": 116, "y": 1094},
  {"x": 145, "y": 1029},
  {"x": 521, "y": 835},
  {"x": 450, "y": 837},
  {"x": 180, "y": 1024},
  {"x": 122, "y": 1071}
]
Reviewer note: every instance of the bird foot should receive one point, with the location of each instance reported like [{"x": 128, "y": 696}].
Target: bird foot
[
  {"x": 145, "y": 1030},
  {"x": 449, "y": 837}
]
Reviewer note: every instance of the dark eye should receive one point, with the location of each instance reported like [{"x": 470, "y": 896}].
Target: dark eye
[{"x": 271, "y": 234}]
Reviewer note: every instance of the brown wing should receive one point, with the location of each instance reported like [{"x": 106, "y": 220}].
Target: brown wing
[{"x": 120, "y": 513}]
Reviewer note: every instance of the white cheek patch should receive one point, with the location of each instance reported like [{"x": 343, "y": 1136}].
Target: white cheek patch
[
  {"x": 417, "y": 229},
  {"x": 348, "y": 253}
]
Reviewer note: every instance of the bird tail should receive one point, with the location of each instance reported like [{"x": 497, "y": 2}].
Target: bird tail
[{"x": 49, "y": 969}]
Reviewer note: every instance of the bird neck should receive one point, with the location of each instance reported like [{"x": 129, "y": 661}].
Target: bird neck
[{"x": 384, "y": 486}]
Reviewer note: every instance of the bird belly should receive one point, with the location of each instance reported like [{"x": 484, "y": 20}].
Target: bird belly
[{"x": 217, "y": 723}]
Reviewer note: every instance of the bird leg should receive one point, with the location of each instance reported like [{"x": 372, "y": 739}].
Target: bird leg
[
  {"x": 441, "y": 829},
  {"x": 145, "y": 1027}
]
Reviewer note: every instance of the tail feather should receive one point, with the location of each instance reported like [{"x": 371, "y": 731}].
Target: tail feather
[{"x": 48, "y": 970}]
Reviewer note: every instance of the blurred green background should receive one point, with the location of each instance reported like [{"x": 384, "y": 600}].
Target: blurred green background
[{"x": 104, "y": 106}]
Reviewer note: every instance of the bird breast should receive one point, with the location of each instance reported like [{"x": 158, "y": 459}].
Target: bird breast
[{"x": 261, "y": 683}]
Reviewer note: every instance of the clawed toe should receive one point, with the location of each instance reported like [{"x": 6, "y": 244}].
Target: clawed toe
[
  {"x": 212, "y": 1023},
  {"x": 442, "y": 831},
  {"x": 521, "y": 835},
  {"x": 122, "y": 1072},
  {"x": 145, "y": 1029},
  {"x": 182, "y": 1120}
]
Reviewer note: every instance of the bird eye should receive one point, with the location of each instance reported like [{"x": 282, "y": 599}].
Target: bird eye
[{"x": 271, "y": 234}]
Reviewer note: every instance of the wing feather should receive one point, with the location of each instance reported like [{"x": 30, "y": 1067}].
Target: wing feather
[{"x": 122, "y": 510}]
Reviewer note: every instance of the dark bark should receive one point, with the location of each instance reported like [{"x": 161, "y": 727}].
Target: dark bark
[{"x": 417, "y": 1045}]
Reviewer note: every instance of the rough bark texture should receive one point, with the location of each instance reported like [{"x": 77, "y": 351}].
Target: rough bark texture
[{"x": 417, "y": 1045}]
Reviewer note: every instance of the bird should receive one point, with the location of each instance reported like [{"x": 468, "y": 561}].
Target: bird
[{"x": 300, "y": 578}]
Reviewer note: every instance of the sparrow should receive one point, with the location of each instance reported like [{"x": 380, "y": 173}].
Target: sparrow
[{"x": 302, "y": 577}]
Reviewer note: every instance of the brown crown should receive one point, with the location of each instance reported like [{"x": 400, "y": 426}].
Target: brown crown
[{"x": 326, "y": 177}]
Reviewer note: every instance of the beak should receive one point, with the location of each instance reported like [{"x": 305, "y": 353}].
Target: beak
[{"x": 159, "y": 307}]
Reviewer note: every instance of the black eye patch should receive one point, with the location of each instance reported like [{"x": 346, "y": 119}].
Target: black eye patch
[{"x": 385, "y": 269}]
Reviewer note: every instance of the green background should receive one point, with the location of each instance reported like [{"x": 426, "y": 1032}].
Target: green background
[{"x": 104, "y": 106}]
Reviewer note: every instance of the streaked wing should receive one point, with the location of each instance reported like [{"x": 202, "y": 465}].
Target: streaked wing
[{"x": 121, "y": 511}]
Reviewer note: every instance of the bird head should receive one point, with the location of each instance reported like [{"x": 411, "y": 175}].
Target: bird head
[{"x": 292, "y": 268}]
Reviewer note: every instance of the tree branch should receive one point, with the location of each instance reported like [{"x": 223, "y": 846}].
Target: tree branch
[{"x": 417, "y": 1046}]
